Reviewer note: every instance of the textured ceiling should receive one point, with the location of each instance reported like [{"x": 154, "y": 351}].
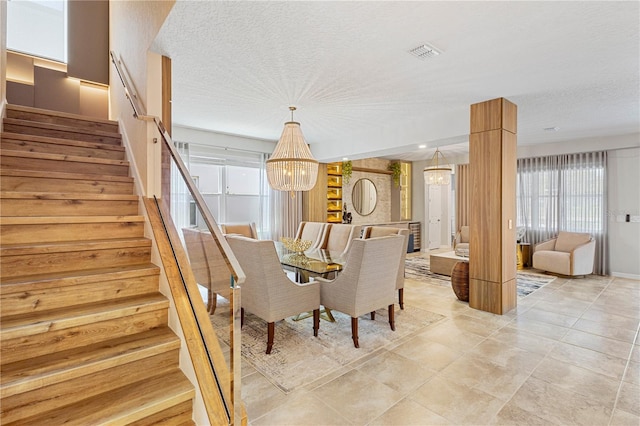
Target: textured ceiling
[{"x": 238, "y": 66}]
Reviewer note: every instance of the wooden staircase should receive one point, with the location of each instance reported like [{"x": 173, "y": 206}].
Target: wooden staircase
[{"x": 84, "y": 336}]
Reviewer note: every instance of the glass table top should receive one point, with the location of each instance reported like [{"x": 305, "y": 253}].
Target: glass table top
[{"x": 318, "y": 261}]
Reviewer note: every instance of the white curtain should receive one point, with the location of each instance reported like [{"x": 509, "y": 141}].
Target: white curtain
[
  {"x": 285, "y": 213},
  {"x": 564, "y": 193}
]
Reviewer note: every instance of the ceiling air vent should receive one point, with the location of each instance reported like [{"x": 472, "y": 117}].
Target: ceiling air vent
[{"x": 424, "y": 51}]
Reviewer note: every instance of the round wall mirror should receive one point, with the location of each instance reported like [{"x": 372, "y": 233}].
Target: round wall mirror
[{"x": 364, "y": 197}]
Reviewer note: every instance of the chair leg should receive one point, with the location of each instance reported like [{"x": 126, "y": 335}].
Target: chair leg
[
  {"x": 392, "y": 321},
  {"x": 401, "y": 297},
  {"x": 316, "y": 321},
  {"x": 271, "y": 328},
  {"x": 354, "y": 331},
  {"x": 373, "y": 315},
  {"x": 241, "y": 317}
]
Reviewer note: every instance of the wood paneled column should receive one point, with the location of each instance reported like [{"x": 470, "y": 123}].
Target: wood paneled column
[{"x": 492, "y": 215}]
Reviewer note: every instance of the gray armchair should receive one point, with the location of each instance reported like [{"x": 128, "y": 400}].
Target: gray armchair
[
  {"x": 367, "y": 282},
  {"x": 383, "y": 231},
  {"x": 571, "y": 253},
  {"x": 267, "y": 291},
  {"x": 461, "y": 242}
]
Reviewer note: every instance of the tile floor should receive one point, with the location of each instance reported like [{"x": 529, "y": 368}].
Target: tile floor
[{"x": 568, "y": 355}]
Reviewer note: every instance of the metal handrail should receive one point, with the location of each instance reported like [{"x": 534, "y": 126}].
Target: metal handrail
[{"x": 138, "y": 113}]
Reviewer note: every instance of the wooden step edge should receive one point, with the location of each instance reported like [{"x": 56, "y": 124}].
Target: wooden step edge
[
  {"x": 20, "y": 195},
  {"x": 63, "y": 157},
  {"x": 53, "y": 220},
  {"x": 62, "y": 128},
  {"x": 34, "y": 373},
  {"x": 66, "y": 279},
  {"x": 58, "y": 141},
  {"x": 64, "y": 175},
  {"x": 72, "y": 246},
  {"x": 69, "y": 115},
  {"x": 124, "y": 405},
  {"x": 20, "y": 326}
]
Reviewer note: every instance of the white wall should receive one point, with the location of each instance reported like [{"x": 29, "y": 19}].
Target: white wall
[
  {"x": 623, "y": 185},
  {"x": 203, "y": 137}
]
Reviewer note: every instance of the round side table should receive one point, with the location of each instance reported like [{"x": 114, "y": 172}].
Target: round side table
[{"x": 460, "y": 280}]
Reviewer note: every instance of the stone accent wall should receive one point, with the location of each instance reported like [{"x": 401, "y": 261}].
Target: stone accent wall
[{"x": 383, "y": 182}]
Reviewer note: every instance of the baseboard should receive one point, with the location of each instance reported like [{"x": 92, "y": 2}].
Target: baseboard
[{"x": 623, "y": 275}]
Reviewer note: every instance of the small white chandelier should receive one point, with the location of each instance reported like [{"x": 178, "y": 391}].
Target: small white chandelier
[
  {"x": 291, "y": 167},
  {"x": 435, "y": 174}
]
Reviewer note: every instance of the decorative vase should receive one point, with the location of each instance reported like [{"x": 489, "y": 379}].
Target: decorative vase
[{"x": 460, "y": 280}]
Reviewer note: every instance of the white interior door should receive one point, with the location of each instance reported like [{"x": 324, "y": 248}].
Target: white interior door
[{"x": 435, "y": 216}]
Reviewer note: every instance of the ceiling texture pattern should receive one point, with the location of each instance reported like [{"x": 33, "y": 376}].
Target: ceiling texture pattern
[{"x": 238, "y": 66}]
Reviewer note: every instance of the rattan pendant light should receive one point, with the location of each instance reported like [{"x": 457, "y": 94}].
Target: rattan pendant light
[
  {"x": 437, "y": 174},
  {"x": 291, "y": 167}
]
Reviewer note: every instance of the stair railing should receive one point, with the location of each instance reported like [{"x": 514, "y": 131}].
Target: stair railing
[{"x": 227, "y": 381}]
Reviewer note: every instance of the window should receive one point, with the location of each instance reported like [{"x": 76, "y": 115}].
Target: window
[{"x": 38, "y": 28}]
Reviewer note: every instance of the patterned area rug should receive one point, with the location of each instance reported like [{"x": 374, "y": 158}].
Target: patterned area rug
[
  {"x": 417, "y": 268},
  {"x": 298, "y": 358}
]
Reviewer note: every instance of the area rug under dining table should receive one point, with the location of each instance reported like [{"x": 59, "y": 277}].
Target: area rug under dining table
[{"x": 298, "y": 358}]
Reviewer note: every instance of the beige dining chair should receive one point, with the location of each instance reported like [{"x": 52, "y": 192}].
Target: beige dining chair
[
  {"x": 367, "y": 282},
  {"x": 383, "y": 231},
  {"x": 267, "y": 292},
  {"x": 337, "y": 238},
  {"x": 312, "y": 231},
  {"x": 246, "y": 229},
  {"x": 208, "y": 265}
]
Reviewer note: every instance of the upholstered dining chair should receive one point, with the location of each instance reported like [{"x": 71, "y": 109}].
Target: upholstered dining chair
[
  {"x": 311, "y": 231},
  {"x": 383, "y": 231},
  {"x": 246, "y": 229},
  {"x": 267, "y": 292},
  {"x": 337, "y": 238},
  {"x": 367, "y": 282},
  {"x": 208, "y": 265}
]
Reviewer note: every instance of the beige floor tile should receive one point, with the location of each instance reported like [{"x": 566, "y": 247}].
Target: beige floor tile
[
  {"x": 632, "y": 375},
  {"x": 397, "y": 372},
  {"x": 635, "y": 355},
  {"x": 457, "y": 402},
  {"x": 591, "y": 360},
  {"x": 511, "y": 414},
  {"x": 524, "y": 340},
  {"x": 428, "y": 353},
  {"x": 629, "y": 398},
  {"x": 473, "y": 325},
  {"x": 409, "y": 413},
  {"x": 549, "y": 331},
  {"x": 622, "y": 418},
  {"x": 605, "y": 330},
  {"x": 357, "y": 397},
  {"x": 301, "y": 409},
  {"x": 598, "y": 343},
  {"x": 617, "y": 319},
  {"x": 578, "y": 380},
  {"x": 260, "y": 395},
  {"x": 565, "y": 305},
  {"x": 553, "y": 318},
  {"x": 451, "y": 336},
  {"x": 559, "y": 405},
  {"x": 509, "y": 357}
]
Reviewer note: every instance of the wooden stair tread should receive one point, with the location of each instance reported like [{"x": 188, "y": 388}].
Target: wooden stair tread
[
  {"x": 26, "y": 283},
  {"x": 61, "y": 128},
  {"x": 66, "y": 196},
  {"x": 59, "y": 141},
  {"x": 70, "y": 246},
  {"x": 62, "y": 157},
  {"x": 64, "y": 175},
  {"x": 40, "y": 322},
  {"x": 60, "y": 114},
  {"x": 29, "y": 374},
  {"x": 40, "y": 220},
  {"x": 123, "y": 405}
]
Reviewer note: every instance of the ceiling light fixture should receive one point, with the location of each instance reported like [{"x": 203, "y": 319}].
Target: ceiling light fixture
[
  {"x": 424, "y": 51},
  {"x": 422, "y": 146},
  {"x": 435, "y": 173},
  {"x": 551, "y": 129},
  {"x": 291, "y": 167}
]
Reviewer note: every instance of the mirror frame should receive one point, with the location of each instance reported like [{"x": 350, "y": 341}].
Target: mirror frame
[{"x": 353, "y": 191}]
